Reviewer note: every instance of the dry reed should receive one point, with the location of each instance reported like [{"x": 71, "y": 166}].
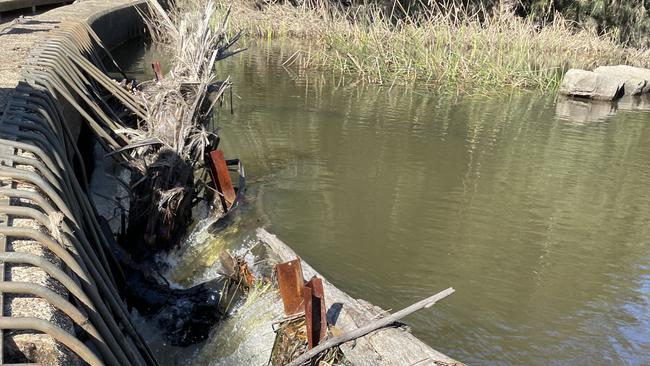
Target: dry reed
[
  {"x": 171, "y": 140},
  {"x": 440, "y": 46}
]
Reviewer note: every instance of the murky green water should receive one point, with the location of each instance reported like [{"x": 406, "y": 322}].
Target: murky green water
[{"x": 537, "y": 213}]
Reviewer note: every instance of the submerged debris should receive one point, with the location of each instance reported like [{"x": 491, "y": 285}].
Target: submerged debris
[{"x": 236, "y": 269}]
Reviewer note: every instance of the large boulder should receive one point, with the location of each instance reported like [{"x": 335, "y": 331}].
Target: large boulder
[
  {"x": 588, "y": 84},
  {"x": 628, "y": 73}
]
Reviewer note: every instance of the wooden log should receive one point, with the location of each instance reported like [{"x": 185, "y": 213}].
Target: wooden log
[{"x": 385, "y": 347}]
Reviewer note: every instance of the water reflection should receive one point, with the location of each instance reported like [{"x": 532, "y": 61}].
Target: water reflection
[
  {"x": 540, "y": 223},
  {"x": 584, "y": 111}
]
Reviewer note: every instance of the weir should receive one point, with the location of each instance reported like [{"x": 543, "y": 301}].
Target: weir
[
  {"x": 59, "y": 297},
  {"x": 59, "y": 280}
]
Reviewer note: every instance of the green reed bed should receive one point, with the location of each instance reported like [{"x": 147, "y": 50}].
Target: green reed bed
[{"x": 439, "y": 46}]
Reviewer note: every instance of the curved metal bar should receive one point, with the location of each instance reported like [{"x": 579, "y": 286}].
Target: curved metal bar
[
  {"x": 47, "y": 242},
  {"x": 51, "y": 269},
  {"x": 28, "y": 288},
  {"x": 66, "y": 68},
  {"x": 55, "y": 332},
  {"x": 112, "y": 297},
  {"x": 60, "y": 275}
]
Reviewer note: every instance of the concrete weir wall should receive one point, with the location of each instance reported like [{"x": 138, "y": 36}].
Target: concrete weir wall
[
  {"x": 9, "y": 5},
  {"x": 58, "y": 295},
  {"x": 114, "y": 21}
]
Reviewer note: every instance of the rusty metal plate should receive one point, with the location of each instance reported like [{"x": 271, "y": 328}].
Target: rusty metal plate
[
  {"x": 157, "y": 70},
  {"x": 221, "y": 178},
  {"x": 315, "y": 312},
  {"x": 291, "y": 285}
]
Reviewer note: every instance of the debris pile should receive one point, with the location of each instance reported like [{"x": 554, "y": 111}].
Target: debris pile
[
  {"x": 167, "y": 150},
  {"x": 169, "y": 144},
  {"x": 170, "y": 150}
]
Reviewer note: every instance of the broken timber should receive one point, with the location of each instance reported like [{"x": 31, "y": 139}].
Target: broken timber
[{"x": 388, "y": 346}]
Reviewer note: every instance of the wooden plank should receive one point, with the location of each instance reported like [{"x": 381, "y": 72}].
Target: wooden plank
[
  {"x": 378, "y": 324},
  {"x": 385, "y": 347}
]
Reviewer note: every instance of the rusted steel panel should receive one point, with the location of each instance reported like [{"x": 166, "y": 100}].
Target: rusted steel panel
[
  {"x": 308, "y": 301},
  {"x": 157, "y": 70},
  {"x": 221, "y": 178},
  {"x": 291, "y": 285},
  {"x": 315, "y": 311}
]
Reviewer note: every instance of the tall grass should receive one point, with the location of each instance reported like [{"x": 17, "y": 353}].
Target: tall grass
[{"x": 439, "y": 46}]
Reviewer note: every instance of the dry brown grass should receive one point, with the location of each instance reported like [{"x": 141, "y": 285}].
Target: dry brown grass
[
  {"x": 440, "y": 47},
  {"x": 171, "y": 141}
]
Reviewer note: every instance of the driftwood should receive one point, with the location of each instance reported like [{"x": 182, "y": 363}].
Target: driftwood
[
  {"x": 385, "y": 347},
  {"x": 378, "y": 324}
]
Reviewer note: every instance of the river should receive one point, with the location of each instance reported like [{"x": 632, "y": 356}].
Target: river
[{"x": 536, "y": 210}]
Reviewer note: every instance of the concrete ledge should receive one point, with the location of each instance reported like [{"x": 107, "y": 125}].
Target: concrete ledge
[
  {"x": 9, "y": 5},
  {"x": 114, "y": 21}
]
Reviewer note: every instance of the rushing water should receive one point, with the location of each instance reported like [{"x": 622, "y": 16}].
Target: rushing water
[{"x": 537, "y": 211}]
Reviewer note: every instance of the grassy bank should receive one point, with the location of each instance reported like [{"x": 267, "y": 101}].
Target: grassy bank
[{"x": 438, "y": 47}]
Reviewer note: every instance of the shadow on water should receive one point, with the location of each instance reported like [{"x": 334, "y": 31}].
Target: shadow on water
[{"x": 585, "y": 111}]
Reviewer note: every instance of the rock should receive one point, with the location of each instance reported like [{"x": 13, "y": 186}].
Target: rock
[
  {"x": 588, "y": 84},
  {"x": 634, "y": 86},
  {"x": 627, "y": 72}
]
